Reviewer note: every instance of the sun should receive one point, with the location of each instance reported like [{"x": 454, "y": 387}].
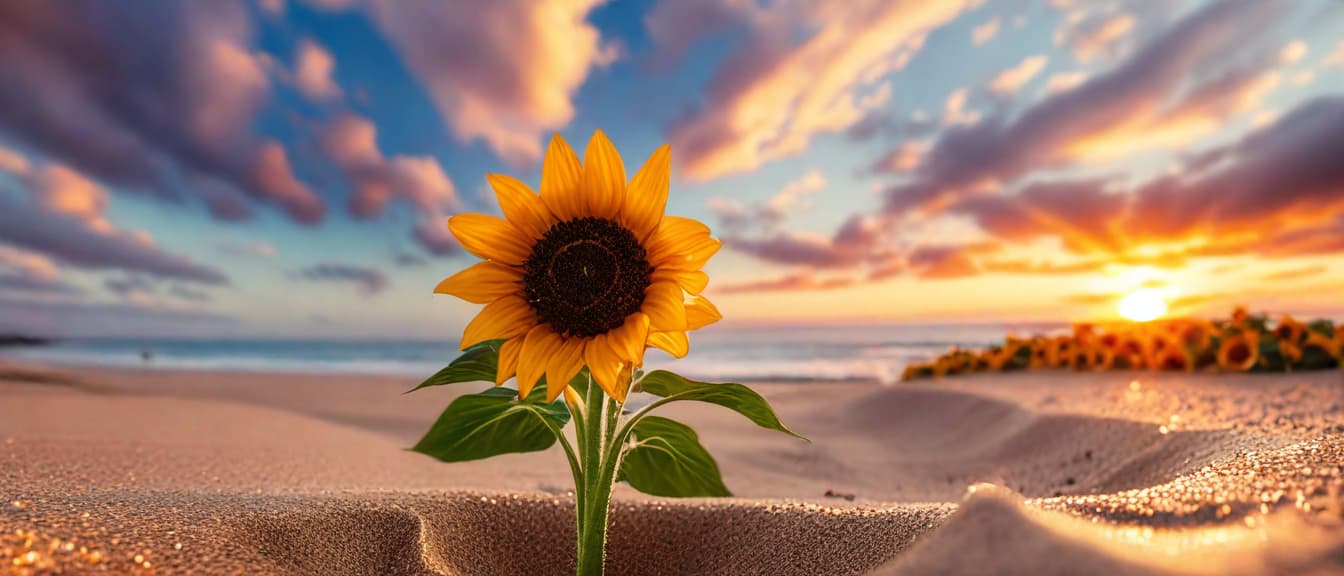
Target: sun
[{"x": 1142, "y": 305}]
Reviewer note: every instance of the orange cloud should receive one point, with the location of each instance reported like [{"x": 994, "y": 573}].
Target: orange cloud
[
  {"x": 789, "y": 283},
  {"x": 1013, "y": 79},
  {"x": 773, "y": 95}
]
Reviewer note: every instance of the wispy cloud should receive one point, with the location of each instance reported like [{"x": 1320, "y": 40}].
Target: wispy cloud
[{"x": 370, "y": 281}]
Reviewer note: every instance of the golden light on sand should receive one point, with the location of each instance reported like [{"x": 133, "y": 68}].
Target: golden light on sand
[{"x": 1142, "y": 305}]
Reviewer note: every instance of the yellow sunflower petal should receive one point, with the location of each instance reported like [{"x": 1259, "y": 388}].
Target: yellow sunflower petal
[
  {"x": 674, "y": 343},
  {"x": 646, "y": 197},
  {"x": 540, "y": 344},
  {"x": 482, "y": 283},
  {"x": 692, "y": 281},
  {"x": 508, "y": 359},
  {"x": 603, "y": 177},
  {"x": 603, "y": 363},
  {"x": 681, "y": 243},
  {"x": 628, "y": 340},
  {"x": 623, "y": 381},
  {"x": 700, "y": 312},
  {"x": 504, "y": 318},
  {"x": 520, "y": 205},
  {"x": 664, "y": 304},
  {"x": 561, "y": 174},
  {"x": 490, "y": 238},
  {"x": 564, "y": 364}
]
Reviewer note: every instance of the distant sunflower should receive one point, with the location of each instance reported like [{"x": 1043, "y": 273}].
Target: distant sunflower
[
  {"x": 1173, "y": 358},
  {"x": 1289, "y": 330},
  {"x": 1240, "y": 350},
  {"x": 589, "y": 272},
  {"x": 1320, "y": 352}
]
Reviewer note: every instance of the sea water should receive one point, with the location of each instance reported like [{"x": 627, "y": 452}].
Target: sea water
[{"x": 865, "y": 352}]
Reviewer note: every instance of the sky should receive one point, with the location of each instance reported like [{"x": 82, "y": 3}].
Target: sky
[{"x": 285, "y": 168}]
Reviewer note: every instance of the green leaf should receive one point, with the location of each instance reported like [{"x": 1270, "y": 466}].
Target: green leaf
[
  {"x": 491, "y": 423},
  {"x": 667, "y": 459},
  {"x": 478, "y": 363},
  {"x": 736, "y": 397}
]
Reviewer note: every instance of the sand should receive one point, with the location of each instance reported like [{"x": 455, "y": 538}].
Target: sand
[{"x": 150, "y": 471}]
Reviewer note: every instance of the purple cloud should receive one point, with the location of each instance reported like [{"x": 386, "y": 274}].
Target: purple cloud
[{"x": 161, "y": 101}]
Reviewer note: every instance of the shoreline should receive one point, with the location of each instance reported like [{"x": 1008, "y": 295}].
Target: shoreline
[{"x": 281, "y": 473}]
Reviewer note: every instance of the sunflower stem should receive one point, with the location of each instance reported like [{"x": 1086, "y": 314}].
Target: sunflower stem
[{"x": 592, "y": 511}]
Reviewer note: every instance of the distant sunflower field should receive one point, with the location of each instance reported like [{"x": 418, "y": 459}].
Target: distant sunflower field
[{"x": 1240, "y": 343}]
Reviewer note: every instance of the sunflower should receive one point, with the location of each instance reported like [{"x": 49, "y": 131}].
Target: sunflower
[
  {"x": 1173, "y": 359},
  {"x": 1064, "y": 350},
  {"x": 1240, "y": 350},
  {"x": 1289, "y": 330},
  {"x": 1093, "y": 357},
  {"x": 1319, "y": 352},
  {"x": 589, "y": 272}
]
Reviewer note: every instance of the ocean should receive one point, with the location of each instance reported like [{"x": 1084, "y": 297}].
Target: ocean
[{"x": 866, "y": 352}]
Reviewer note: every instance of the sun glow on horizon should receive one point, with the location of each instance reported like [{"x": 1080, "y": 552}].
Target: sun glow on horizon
[{"x": 1142, "y": 305}]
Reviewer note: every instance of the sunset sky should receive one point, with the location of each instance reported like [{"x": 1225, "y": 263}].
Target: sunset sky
[{"x": 285, "y": 168}]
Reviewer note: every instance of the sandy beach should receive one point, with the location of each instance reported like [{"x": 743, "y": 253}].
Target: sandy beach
[{"x": 152, "y": 471}]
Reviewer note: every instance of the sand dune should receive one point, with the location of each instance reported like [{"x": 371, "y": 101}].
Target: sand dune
[{"x": 220, "y": 473}]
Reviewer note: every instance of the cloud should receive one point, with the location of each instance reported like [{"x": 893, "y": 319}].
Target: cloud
[
  {"x": 350, "y": 141},
  {"x": 129, "y": 287},
  {"x": 985, "y": 32},
  {"x": 954, "y": 109},
  {"x": 1095, "y": 34},
  {"x": 1335, "y": 58},
  {"x": 1013, "y": 79},
  {"x": 63, "y": 219},
  {"x": 731, "y": 213},
  {"x": 409, "y": 260},
  {"x": 789, "y": 283},
  {"x": 252, "y": 249},
  {"x": 1276, "y": 192},
  {"x": 904, "y": 159},
  {"x": 1295, "y": 273},
  {"x": 145, "y": 100},
  {"x": 799, "y": 71},
  {"x": 504, "y": 73},
  {"x": 1281, "y": 179},
  {"x": 1144, "y": 103},
  {"x": 794, "y": 195},
  {"x": 940, "y": 262},
  {"x": 850, "y": 245},
  {"x": 313, "y": 69},
  {"x": 370, "y": 281},
  {"x": 27, "y": 272},
  {"x": 73, "y": 318},
  {"x": 1063, "y": 82},
  {"x": 272, "y": 8},
  {"x": 189, "y": 294},
  {"x": 1293, "y": 52},
  {"x": 675, "y": 26}
]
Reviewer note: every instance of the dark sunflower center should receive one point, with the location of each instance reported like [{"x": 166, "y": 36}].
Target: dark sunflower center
[{"x": 585, "y": 276}]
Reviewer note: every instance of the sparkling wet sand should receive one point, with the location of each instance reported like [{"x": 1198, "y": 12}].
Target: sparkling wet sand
[{"x": 1044, "y": 473}]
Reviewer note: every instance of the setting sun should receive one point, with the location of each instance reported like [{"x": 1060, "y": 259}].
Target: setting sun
[{"x": 1142, "y": 305}]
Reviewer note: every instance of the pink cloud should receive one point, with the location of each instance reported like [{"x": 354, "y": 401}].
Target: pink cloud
[
  {"x": 350, "y": 141},
  {"x": 313, "y": 69},
  {"x": 63, "y": 219},
  {"x": 502, "y": 72}
]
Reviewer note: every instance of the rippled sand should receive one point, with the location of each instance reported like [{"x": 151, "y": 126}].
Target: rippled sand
[{"x": 1059, "y": 473}]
